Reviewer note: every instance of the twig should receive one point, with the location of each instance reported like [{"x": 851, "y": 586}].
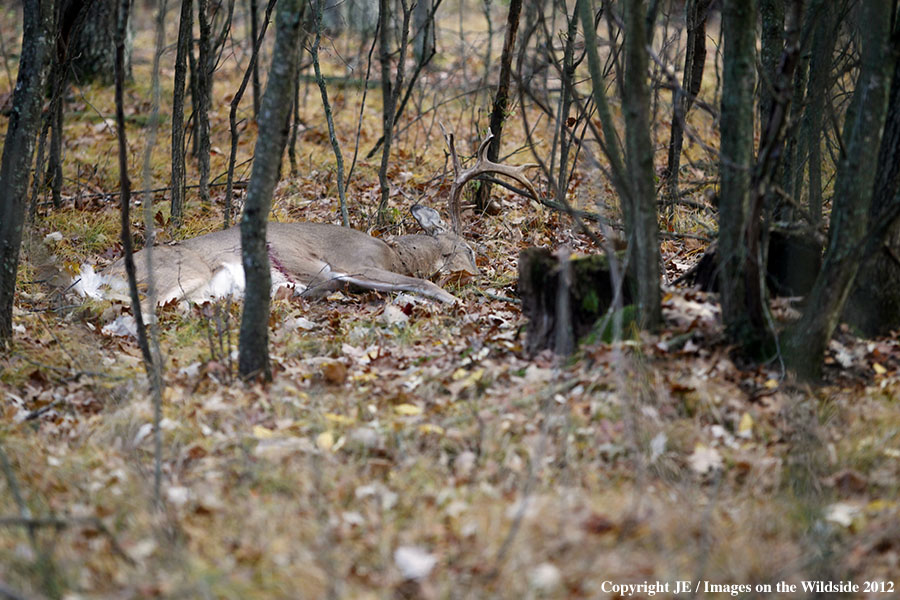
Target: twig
[
  {"x": 329, "y": 119},
  {"x": 498, "y": 297},
  {"x": 72, "y": 375},
  {"x": 241, "y": 184},
  {"x": 362, "y": 107},
  {"x": 156, "y": 373},
  {"x": 420, "y": 65},
  {"x": 232, "y": 112},
  {"x": 13, "y": 483},
  {"x": 37, "y": 413}
]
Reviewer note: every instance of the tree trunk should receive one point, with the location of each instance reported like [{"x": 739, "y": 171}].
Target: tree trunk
[
  {"x": 423, "y": 25},
  {"x": 566, "y": 141},
  {"x": 768, "y": 169},
  {"x": 18, "y": 148},
  {"x": 185, "y": 26},
  {"x": 696, "y": 12},
  {"x": 643, "y": 244},
  {"x": 771, "y": 15},
  {"x": 818, "y": 89},
  {"x": 202, "y": 102},
  {"x": 390, "y": 91},
  {"x": 125, "y": 184},
  {"x": 329, "y": 118},
  {"x": 253, "y": 353},
  {"x": 808, "y": 338},
  {"x": 874, "y": 305},
  {"x": 232, "y": 113},
  {"x": 254, "y": 35},
  {"x": 739, "y": 31},
  {"x": 93, "y": 48},
  {"x": 609, "y": 142},
  {"x": 501, "y": 97},
  {"x": 54, "y": 165},
  {"x": 634, "y": 179},
  {"x": 357, "y": 16},
  {"x": 771, "y": 89}
]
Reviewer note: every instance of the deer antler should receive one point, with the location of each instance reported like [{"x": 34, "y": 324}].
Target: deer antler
[{"x": 482, "y": 165}]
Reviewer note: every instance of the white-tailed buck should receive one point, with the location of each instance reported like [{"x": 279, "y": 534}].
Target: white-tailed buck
[{"x": 315, "y": 258}]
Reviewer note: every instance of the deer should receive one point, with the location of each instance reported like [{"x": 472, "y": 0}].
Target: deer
[{"x": 317, "y": 258}]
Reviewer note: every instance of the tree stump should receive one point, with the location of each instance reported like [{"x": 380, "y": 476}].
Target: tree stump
[{"x": 590, "y": 295}]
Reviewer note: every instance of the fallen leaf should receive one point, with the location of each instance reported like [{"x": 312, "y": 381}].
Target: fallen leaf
[
  {"x": 705, "y": 459},
  {"x": 598, "y": 524},
  {"x": 414, "y": 562},
  {"x": 325, "y": 441},
  {"x": 745, "y": 427},
  {"x": 429, "y": 428},
  {"x": 262, "y": 433},
  {"x": 334, "y": 372},
  {"x": 545, "y": 577},
  {"x": 841, "y": 513},
  {"x": 407, "y": 410},
  {"x": 339, "y": 419}
]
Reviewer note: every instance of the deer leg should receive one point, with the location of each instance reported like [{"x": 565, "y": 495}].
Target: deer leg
[{"x": 372, "y": 278}]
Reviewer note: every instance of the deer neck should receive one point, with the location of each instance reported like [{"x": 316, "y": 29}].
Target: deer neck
[{"x": 417, "y": 255}]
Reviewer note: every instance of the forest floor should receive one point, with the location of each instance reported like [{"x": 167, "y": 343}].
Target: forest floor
[{"x": 419, "y": 452}]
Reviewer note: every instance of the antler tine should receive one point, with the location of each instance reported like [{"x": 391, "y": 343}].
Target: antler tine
[
  {"x": 486, "y": 165},
  {"x": 485, "y": 143}
]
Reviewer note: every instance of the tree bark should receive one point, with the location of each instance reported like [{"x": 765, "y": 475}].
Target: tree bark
[
  {"x": 771, "y": 16},
  {"x": 423, "y": 24},
  {"x": 18, "y": 148},
  {"x": 739, "y": 31},
  {"x": 808, "y": 338},
  {"x": 253, "y": 353},
  {"x": 93, "y": 48}
]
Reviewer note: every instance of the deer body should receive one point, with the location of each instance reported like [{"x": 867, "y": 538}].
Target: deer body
[{"x": 313, "y": 258}]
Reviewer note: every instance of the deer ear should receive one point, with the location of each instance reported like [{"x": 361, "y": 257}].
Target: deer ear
[{"x": 428, "y": 219}]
